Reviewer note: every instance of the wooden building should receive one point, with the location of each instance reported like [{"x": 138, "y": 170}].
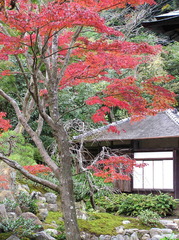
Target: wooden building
[
  {"x": 167, "y": 24},
  {"x": 153, "y": 140}
]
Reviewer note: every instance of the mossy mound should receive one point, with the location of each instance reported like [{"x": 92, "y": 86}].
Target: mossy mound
[
  {"x": 105, "y": 223},
  {"x": 98, "y": 223},
  {"x": 4, "y": 236},
  {"x": 53, "y": 218}
]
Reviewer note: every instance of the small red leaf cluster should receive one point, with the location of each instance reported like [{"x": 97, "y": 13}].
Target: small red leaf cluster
[
  {"x": 4, "y": 183},
  {"x": 115, "y": 168},
  {"x": 4, "y": 123},
  {"x": 39, "y": 168}
]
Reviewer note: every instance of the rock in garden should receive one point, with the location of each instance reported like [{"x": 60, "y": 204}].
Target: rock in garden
[
  {"x": 42, "y": 199},
  {"x": 131, "y": 231},
  {"x": 134, "y": 236},
  {"x": 11, "y": 215},
  {"x": 50, "y": 198},
  {"x": 126, "y": 237},
  {"x": 35, "y": 195},
  {"x": 42, "y": 214},
  {"x": 81, "y": 215},
  {"x": 146, "y": 236},
  {"x": 166, "y": 231},
  {"x": 126, "y": 222},
  {"x": 6, "y": 194},
  {"x": 104, "y": 237},
  {"x": 121, "y": 237},
  {"x": 116, "y": 238},
  {"x": 120, "y": 230},
  {"x": 3, "y": 213},
  {"x": 176, "y": 221},
  {"x": 173, "y": 226},
  {"x": 52, "y": 207},
  {"x": 23, "y": 188},
  {"x": 43, "y": 236},
  {"x": 51, "y": 231},
  {"x": 42, "y": 205},
  {"x": 13, "y": 237},
  {"x": 29, "y": 215},
  {"x": 155, "y": 231},
  {"x": 85, "y": 236},
  {"x": 157, "y": 237}
]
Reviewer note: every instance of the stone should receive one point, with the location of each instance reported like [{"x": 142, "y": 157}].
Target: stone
[
  {"x": 173, "y": 226},
  {"x": 104, "y": 237},
  {"x": 81, "y": 215},
  {"x": 42, "y": 214},
  {"x": 126, "y": 237},
  {"x": 176, "y": 221},
  {"x": 29, "y": 215},
  {"x": 146, "y": 236},
  {"x": 134, "y": 236},
  {"x": 42, "y": 236},
  {"x": 85, "y": 236},
  {"x": 126, "y": 222},
  {"x": 42, "y": 199},
  {"x": 155, "y": 231},
  {"x": 120, "y": 230},
  {"x": 22, "y": 188},
  {"x": 157, "y": 237},
  {"x": 6, "y": 194},
  {"x": 177, "y": 236},
  {"x": 166, "y": 231},
  {"x": 169, "y": 224},
  {"x": 18, "y": 211},
  {"x": 121, "y": 237},
  {"x": 115, "y": 238},
  {"x": 13, "y": 237},
  {"x": 36, "y": 195},
  {"x": 3, "y": 213},
  {"x": 131, "y": 231},
  {"x": 41, "y": 205},
  {"x": 11, "y": 215},
  {"x": 51, "y": 231},
  {"x": 52, "y": 207},
  {"x": 143, "y": 231},
  {"x": 50, "y": 198}
]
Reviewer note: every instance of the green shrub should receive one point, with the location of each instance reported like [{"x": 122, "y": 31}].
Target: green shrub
[
  {"x": 10, "y": 205},
  {"x": 20, "y": 151},
  {"x": 20, "y": 227},
  {"x": 133, "y": 204},
  {"x": 61, "y": 235},
  {"x": 82, "y": 191},
  {"x": 149, "y": 218},
  {"x": 26, "y": 202}
]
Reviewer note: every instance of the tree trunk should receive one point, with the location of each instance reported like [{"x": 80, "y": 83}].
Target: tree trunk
[{"x": 66, "y": 183}]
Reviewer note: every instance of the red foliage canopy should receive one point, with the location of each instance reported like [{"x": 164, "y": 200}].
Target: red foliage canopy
[{"x": 30, "y": 30}]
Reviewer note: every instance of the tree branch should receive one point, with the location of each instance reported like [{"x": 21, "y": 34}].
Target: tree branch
[
  {"x": 33, "y": 135},
  {"x": 30, "y": 176}
]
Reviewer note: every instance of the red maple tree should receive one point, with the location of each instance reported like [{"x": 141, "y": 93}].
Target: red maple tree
[{"x": 50, "y": 43}]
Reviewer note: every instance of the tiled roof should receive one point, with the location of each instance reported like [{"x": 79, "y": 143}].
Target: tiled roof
[{"x": 164, "y": 124}]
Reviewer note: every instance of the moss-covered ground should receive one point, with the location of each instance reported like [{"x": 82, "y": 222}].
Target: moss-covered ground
[{"x": 97, "y": 223}]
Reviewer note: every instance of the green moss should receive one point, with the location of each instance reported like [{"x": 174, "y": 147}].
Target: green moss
[
  {"x": 105, "y": 223},
  {"x": 54, "y": 217},
  {"x": 98, "y": 223},
  {"x": 4, "y": 236}
]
